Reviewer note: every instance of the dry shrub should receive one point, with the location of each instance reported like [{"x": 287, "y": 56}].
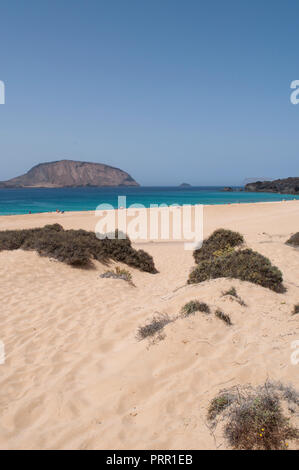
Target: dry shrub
[
  {"x": 118, "y": 273},
  {"x": 155, "y": 326},
  {"x": 254, "y": 418}
]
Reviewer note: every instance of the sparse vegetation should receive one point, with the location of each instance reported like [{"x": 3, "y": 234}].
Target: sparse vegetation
[
  {"x": 118, "y": 273},
  {"x": 219, "y": 403},
  {"x": 294, "y": 240},
  {"x": 233, "y": 293},
  {"x": 296, "y": 309},
  {"x": 223, "y": 316},
  {"x": 194, "y": 306},
  {"x": 155, "y": 326},
  {"x": 220, "y": 243},
  {"x": 287, "y": 392},
  {"x": 246, "y": 265},
  {"x": 254, "y": 418},
  {"x": 76, "y": 247}
]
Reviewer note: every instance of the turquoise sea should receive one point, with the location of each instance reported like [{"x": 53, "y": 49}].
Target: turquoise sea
[{"x": 21, "y": 201}]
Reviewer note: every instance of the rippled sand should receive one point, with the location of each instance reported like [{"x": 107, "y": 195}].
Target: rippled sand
[{"x": 76, "y": 377}]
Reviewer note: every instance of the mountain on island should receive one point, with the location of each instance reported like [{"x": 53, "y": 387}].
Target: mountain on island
[
  {"x": 283, "y": 186},
  {"x": 70, "y": 173}
]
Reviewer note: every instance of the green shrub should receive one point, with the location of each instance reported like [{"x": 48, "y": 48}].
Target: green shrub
[
  {"x": 194, "y": 306},
  {"x": 220, "y": 243},
  {"x": 76, "y": 247},
  {"x": 294, "y": 240},
  {"x": 246, "y": 265}
]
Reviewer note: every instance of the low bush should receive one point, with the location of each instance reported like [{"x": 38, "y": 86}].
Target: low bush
[
  {"x": 76, "y": 247},
  {"x": 246, "y": 265},
  {"x": 221, "y": 242},
  {"x": 254, "y": 417},
  {"x": 194, "y": 306},
  {"x": 294, "y": 240}
]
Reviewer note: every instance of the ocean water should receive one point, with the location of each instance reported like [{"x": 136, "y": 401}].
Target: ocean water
[{"x": 21, "y": 201}]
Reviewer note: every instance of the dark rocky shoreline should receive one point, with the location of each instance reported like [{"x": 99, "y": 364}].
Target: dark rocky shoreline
[{"x": 282, "y": 186}]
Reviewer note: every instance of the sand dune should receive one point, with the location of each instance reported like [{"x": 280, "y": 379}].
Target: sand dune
[{"x": 75, "y": 376}]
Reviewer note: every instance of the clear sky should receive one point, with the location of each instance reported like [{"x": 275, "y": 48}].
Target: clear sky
[{"x": 171, "y": 91}]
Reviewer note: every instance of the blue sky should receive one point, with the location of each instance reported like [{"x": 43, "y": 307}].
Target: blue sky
[{"x": 170, "y": 91}]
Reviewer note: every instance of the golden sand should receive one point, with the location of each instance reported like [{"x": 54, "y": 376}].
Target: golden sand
[{"x": 76, "y": 377}]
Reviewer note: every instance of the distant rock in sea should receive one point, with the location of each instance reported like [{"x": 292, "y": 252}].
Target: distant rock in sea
[
  {"x": 227, "y": 189},
  {"x": 185, "y": 185},
  {"x": 70, "y": 173},
  {"x": 282, "y": 186}
]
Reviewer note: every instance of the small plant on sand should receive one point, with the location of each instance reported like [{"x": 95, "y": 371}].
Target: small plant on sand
[
  {"x": 118, "y": 273},
  {"x": 223, "y": 316},
  {"x": 294, "y": 240},
  {"x": 154, "y": 327},
  {"x": 255, "y": 418},
  {"x": 233, "y": 293},
  {"x": 296, "y": 309},
  {"x": 194, "y": 306}
]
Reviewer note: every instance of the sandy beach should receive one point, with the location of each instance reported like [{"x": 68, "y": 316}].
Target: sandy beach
[{"x": 75, "y": 376}]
